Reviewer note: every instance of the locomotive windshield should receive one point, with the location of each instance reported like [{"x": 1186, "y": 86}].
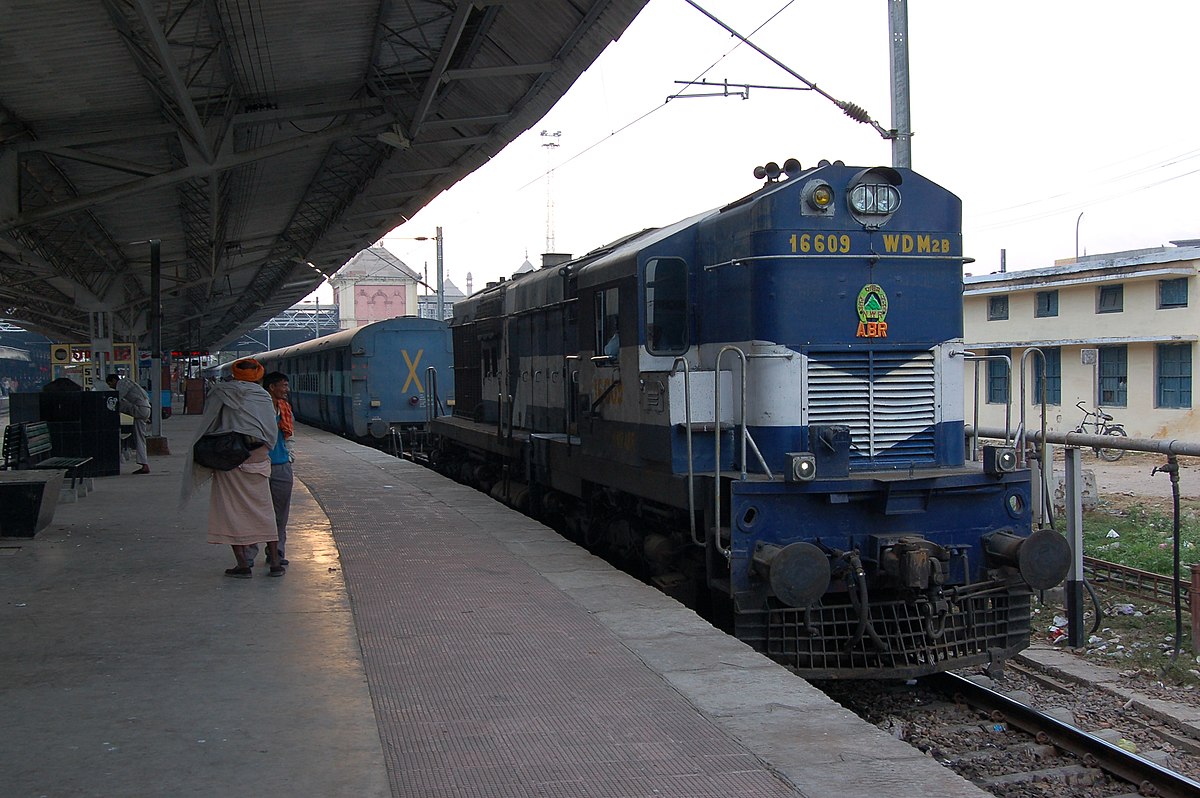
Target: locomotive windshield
[{"x": 666, "y": 306}]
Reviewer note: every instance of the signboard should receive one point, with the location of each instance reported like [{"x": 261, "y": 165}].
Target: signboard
[{"x": 75, "y": 361}]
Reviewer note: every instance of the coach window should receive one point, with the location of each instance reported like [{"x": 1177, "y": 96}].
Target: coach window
[
  {"x": 666, "y": 306},
  {"x": 607, "y": 342}
]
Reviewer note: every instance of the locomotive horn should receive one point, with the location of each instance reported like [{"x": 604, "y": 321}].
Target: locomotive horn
[
  {"x": 1043, "y": 558},
  {"x": 797, "y": 573}
]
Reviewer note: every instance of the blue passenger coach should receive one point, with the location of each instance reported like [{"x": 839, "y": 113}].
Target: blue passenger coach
[
  {"x": 364, "y": 381},
  {"x": 762, "y": 408}
]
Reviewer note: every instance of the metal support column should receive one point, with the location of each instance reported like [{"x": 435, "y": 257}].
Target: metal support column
[
  {"x": 155, "y": 340},
  {"x": 1073, "y": 480},
  {"x": 441, "y": 286},
  {"x": 901, "y": 114}
]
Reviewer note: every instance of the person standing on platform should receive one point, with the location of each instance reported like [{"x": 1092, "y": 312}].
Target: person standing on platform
[
  {"x": 282, "y": 458},
  {"x": 239, "y": 508},
  {"x": 135, "y": 402}
]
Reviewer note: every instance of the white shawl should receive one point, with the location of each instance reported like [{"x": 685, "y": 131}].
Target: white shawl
[{"x": 237, "y": 406}]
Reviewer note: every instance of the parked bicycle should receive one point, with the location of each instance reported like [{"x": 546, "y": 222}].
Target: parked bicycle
[{"x": 1100, "y": 423}]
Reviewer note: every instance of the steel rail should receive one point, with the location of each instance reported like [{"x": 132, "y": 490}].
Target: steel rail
[{"x": 1151, "y": 779}]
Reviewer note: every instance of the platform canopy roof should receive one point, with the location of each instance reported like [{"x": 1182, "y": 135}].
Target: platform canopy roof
[{"x": 262, "y": 142}]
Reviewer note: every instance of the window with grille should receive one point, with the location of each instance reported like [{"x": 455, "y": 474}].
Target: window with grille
[
  {"x": 1047, "y": 304},
  {"x": 1173, "y": 293},
  {"x": 1053, "y": 376},
  {"x": 1114, "y": 376},
  {"x": 997, "y": 377},
  {"x": 1110, "y": 299},
  {"x": 997, "y": 308},
  {"x": 1174, "y": 369}
]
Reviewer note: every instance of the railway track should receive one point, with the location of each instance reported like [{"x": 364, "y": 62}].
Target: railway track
[
  {"x": 1092, "y": 752},
  {"x": 1004, "y": 745}
]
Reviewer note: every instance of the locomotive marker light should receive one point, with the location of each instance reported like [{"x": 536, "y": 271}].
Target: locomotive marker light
[
  {"x": 798, "y": 573},
  {"x": 817, "y": 199},
  {"x": 803, "y": 466},
  {"x": 999, "y": 459}
]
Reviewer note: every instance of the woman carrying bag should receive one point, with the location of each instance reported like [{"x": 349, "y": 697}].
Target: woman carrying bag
[{"x": 239, "y": 508}]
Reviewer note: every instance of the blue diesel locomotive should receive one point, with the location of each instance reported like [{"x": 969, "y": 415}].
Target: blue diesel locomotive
[
  {"x": 762, "y": 407},
  {"x": 367, "y": 381}
]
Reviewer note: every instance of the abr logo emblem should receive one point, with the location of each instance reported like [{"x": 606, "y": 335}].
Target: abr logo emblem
[{"x": 872, "y": 308}]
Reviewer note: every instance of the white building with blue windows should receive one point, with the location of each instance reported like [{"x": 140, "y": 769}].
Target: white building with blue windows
[{"x": 1119, "y": 330}]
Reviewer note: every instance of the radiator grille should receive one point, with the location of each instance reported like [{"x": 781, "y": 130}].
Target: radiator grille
[{"x": 888, "y": 399}]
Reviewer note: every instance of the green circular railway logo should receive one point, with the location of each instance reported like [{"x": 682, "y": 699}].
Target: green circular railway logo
[{"x": 872, "y": 304}]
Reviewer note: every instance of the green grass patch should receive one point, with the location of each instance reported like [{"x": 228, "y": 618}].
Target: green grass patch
[{"x": 1141, "y": 536}]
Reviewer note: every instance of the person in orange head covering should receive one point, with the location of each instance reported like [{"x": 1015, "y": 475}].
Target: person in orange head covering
[
  {"x": 239, "y": 509},
  {"x": 282, "y": 474}
]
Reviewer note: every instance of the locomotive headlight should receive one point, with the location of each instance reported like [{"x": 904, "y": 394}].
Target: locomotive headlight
[{"x": 874, "y": 199}]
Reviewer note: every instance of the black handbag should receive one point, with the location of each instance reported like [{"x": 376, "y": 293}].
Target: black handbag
[{"x": 223, "y": 452}]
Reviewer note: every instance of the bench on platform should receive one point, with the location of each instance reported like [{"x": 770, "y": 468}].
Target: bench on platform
[{"x": 27, "y": 446}]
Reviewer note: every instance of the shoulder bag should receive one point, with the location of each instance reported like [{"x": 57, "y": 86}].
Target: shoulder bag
[{"x": 223, "y": 452}]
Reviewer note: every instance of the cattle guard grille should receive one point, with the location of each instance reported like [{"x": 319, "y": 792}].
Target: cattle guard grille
[{"x": 813, "y": 641}]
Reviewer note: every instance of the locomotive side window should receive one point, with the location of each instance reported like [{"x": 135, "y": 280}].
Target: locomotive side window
[
  {"x": 607, "y": 342},
  {"x": 666, "y": 306}
]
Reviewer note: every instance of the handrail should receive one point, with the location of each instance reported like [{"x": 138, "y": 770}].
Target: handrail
[
  {"x": 1020, "y": 441},
  {"x": 687, "y": 422},
  {"x": 569, "y": 403},
  {"x": 1046, "y": 463},
  {"x": 728, "y": 553},
  {"x": 432, "y": 400},
  {"x": 972, "y": 357}
]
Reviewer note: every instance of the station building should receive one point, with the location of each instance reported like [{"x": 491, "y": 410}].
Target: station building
[{"x": 1118, "y": 330}]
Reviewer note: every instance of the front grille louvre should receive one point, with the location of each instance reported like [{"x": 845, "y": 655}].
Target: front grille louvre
[{"x": 888, "y": 399}]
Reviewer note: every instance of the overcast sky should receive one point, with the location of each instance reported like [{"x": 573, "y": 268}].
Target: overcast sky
[{"x": 1032, "y": 111}]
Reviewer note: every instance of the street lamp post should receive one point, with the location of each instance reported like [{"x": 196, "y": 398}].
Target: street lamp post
[{"x": 441, "y": 292}]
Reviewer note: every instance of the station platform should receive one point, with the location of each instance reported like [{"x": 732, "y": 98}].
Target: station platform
[{"x": 425, "y": 641}]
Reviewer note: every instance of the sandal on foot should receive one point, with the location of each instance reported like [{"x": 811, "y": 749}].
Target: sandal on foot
[{"x": 241, "y": 572}]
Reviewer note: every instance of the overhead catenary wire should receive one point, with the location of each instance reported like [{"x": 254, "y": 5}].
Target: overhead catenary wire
[
  {"x": 855, "y": 112},
  {"x": 740, "y": 41},
  {"x": 1095, "y": 192}
]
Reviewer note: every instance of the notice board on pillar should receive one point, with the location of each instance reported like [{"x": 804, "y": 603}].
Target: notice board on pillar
[{"x": 75, "y": 362}]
